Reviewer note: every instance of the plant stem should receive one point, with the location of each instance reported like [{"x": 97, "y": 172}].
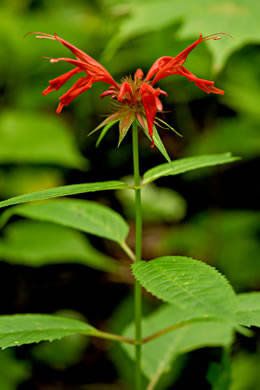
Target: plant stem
[{"x": 138, "y": 254}]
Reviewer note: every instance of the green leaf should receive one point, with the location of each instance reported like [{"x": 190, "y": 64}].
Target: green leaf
[
  {"x": 219, "y": 374},
  {"x": 188, "y": 284},
  {"x": 64, "y": 191},
  {"x": 167, "y": 126},
  {"x": 245, "y": 371},
  {"x": 87, "y": 216},
  {"x": 25, "y": 179},
  {"x": 158, "y": 354},
  {"x": 124, "y": 125},
  {"x": 248, "y": 313},
  {"x": 235, "y": 17},
  {"x": 36, "y": 138},
  {"x": 157, "y": 141},
  {"x": 19, "y": 329},
  {"x": 171, "y": 208},
  {"x": 13, "y": 371},
  {"x": 187, "y": 164},
  {"x": 240, "y": 136},
  {"x": 24, "y": 242},
  {"x": 105, "y": 130},
  {"x": 236, "y": 246}
]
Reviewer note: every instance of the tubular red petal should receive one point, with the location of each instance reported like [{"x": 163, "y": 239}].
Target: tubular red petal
[
  {"x": 149, "y": 97},
  {"x": 139, "y": 74},
  {"x": 209, "y": 88},
  {"x": 82, "y": 85},
  {"x": 157, "y": 65},
  {"x": 205, "y": 85},
  {"x": 60, "y": 107},
  {"x": 171, "y": 63},
  {"x": 84, "y": 61},
  {"x": 124, "y": 88},
  {"x": 106, "y": 93},
  {"x": 58, "y": 82}
]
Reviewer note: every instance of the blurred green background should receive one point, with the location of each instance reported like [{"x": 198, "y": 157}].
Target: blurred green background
[{"x": 211, "y": 214}]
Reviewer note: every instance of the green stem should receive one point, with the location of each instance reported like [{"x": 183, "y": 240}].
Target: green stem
[{"x": 138, "y": 254}]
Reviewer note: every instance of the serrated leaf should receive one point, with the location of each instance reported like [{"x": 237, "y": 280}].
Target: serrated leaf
[
  {"x": 24, "y": 242},
  {"x": 19, "y": 329},
  {"x": 64, "y": 191},
  {"x": 187, "y": 164},
  {"x": 188, "y": 284},
  {"x": 158, "y": 354},
  {"x": 248, "y": 313},
  {"x": 87, "y": 216},
  {"x": 36, "y": 138}
]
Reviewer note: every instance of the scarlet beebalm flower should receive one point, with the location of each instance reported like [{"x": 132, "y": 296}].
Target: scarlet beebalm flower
[{"x": 136, "y": 98}]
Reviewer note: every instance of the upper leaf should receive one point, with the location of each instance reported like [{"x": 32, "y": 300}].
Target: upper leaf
[
  {"x": 187, "y": 164},
  {"x": 188, "y": 284},
  {"x": 64, "y": 191},
  {"x": 87, "y": 216},
  {"x": 21, "y": 329},
  {"x": 248, "y": 313}
]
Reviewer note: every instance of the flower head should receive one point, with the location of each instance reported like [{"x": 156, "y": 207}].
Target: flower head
[{"x": 136, "y": 98}]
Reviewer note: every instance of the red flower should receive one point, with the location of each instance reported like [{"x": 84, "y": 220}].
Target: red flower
[{"x": 136, "y": 98}]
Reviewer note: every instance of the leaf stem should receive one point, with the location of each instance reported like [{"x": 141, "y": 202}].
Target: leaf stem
[
  {"x": 138, "y": 254},
  {"x": 128, "y": 251},
  {"x": 164, "y": 331},
  {"x": 112, "y": 336}
]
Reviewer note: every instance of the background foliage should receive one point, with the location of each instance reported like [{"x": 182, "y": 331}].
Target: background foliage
[{"x": 212, "y": 212}]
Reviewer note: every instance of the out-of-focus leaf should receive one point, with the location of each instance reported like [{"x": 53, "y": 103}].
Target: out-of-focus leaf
[
  {"x": 249, "y": 309},
  {"x": 158, "y": 204},
  {"x": 36, "y": 138},
  {"x": 36, "y": 243},
  {"x": 241, "y": 82},
  {"x": 12, "y": 370},
  {"x": 21, "y": 180},
  {"x": 240, "y": 135},
  {"x": 188, "y": 284},
  {"x": 245, "y": 371},
  {"x": 236, "y": 18},
  {"x": 228, "y": 238},
  {"x": 19, "y": 329},
  {"x": 56, "y": 192},
  {"x": 219, "y": 374},
  {"x": 159, "y": 353},
  {"x": 186, "y": 164},
  {"x": 87, "y": 216}
]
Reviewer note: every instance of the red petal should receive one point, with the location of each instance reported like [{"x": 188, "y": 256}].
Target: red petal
[
  {"x": 59, "y": 81},
  {"x": 157, "y": 65},
  {"x": 150, "y": 106},
  {"x": 84, "y": 61},
  {"x": 139, "y": 74},
  {"x": 166, "y": 66},
  {"x": 82, "y": 85},
  {"x": 124, "y": 88},
  {"x": 206, "y": 85}
]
